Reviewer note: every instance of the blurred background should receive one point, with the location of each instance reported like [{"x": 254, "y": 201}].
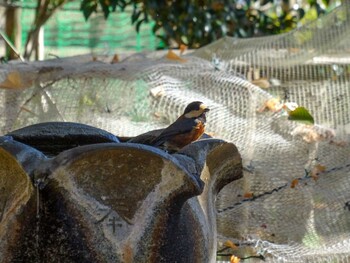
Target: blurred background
[{"x": 41, "y": 29}]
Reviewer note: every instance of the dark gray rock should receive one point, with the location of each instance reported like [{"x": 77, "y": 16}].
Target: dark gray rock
[
  {"x": 28, "y": 157},
  {"x": 51, "y": 138}
]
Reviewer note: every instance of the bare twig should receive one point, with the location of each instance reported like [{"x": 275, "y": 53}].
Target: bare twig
[{"x": 8, "y": 42}]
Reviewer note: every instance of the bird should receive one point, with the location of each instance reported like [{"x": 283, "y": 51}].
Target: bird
[{"x": 187, "y": 128}]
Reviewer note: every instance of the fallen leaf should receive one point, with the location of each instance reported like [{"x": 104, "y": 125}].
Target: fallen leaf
[
  {"x": 183, "y": 48},
  {"x": 320, "y": 168},
  {"x": 230, "y": 244},
  {"x": 248, "y": 195},
  {"x": 172, "y": 56},
  {"x": 234, "y": 259},
  {"x": 272, "y": 104},
  {"x": 157, "y": 92},
  {"x": 115, "y": 59},
  {"x": 294, "y": 183},
  {"x": 157, "y": 115},
  {"x": 317, "y": 170},
  {"x": 14, "y": 80},
  {"x": 301, "y": 114}
]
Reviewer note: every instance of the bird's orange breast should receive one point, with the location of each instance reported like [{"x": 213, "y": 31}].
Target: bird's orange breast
[{"x": 182, "y": 140}]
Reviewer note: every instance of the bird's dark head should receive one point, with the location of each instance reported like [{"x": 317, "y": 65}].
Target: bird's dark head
[{"x": 195, "y": 109}]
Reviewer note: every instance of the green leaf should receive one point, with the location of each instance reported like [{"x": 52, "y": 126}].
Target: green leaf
[
  {"x": 157, "y": 26},
  {"x": 88, "y": 7},
  {"x": 135, "y": 16},
  {"x": 301, "y": 114},
  {"x": 105, "y": 8},
  {"x": 138, "y": 24}
]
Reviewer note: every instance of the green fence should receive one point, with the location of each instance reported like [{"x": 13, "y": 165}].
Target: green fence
[{"x": 68, "y": 33}]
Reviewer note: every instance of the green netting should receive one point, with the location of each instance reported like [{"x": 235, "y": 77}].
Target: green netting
[{"x": 67, "y": 32}]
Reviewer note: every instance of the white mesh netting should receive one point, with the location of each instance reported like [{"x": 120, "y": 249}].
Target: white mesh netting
[{"x": 293, "y": 203}]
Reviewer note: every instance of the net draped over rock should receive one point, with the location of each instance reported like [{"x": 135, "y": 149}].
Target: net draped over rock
[{"x": 293, "y": 203}]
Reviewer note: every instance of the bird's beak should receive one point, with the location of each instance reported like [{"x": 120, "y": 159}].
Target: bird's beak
[{"x": 204, "y": 108}]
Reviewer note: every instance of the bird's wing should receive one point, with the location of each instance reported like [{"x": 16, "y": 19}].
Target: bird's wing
[
  {"x": 146, "y": 138},
  {"x": 178, "y": 127}
]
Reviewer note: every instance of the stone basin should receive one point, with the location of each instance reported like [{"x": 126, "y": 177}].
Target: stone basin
[{"x": 82, "y": 199}]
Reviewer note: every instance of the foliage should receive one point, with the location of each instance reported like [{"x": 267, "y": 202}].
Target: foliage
[
  {"x": 107, "y": 6},
  {"x": 197, "y": 22},
  {"x": 194, "y": 22}
]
